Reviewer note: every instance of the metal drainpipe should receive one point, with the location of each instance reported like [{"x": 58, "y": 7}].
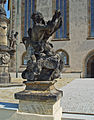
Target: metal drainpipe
[
  {"x": 16, "y": 54},
  {"x": 16, "y": 58}
]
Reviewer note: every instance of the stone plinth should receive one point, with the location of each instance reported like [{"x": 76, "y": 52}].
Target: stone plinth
[
  {"x": 4, "y": 60},
  {"x": 3, "y": 30},
  {"x": 4, "y": 75},
  {"x": 4, "y": 49},
  {"x": 40, "y": 98}
]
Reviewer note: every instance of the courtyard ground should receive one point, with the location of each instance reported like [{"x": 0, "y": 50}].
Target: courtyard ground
[
  {"x": 78, "y": 95},
  {"x": 7, "y": 93}
]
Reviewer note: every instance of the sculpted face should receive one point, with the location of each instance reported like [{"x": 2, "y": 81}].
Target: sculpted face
[{"x": 37, "y": 17}]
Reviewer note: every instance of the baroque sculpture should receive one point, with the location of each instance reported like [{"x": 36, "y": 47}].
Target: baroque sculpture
[
  {"x": 43, "y": 66},
  {"x": 43, "y": 63}
]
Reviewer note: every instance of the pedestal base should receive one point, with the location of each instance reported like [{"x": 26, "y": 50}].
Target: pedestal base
[
  {"x": 5, "y": 77},
  {"x": 40, "y": 98}
]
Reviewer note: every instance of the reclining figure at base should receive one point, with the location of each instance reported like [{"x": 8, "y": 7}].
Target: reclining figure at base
[{"x": 43, "y": 63}]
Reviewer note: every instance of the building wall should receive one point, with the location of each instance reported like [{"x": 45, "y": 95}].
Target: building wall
[
  {"x": 17, "y": 25},
  {"x": 77, "y": 46}
]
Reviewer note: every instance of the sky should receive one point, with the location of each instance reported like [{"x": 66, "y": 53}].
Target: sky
[{"x": 6, "y": 8}]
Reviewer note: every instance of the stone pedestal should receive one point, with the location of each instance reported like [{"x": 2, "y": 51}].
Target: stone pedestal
[
  {"x": 4, "y": 50},
  {"x": 3, "y": 30},
  {"x": 4, "y": 60},
  {"x": 40, "y": 98},
  {"x": 4, "y": 75}
]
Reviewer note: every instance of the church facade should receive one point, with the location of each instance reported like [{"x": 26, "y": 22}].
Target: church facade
[{"x": 74, "y": 40}]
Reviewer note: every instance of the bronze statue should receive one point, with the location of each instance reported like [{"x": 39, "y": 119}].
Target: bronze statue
[{"x": 44, "y": 63}]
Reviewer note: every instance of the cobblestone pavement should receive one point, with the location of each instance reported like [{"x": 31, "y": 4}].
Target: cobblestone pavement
[{"x": 79, "y": 96}]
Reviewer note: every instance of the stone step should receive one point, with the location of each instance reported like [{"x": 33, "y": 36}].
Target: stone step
[{"x": 67, "y": 116}]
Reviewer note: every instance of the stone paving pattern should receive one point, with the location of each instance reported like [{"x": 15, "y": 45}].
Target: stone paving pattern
[{"x": 79, "y": 96}]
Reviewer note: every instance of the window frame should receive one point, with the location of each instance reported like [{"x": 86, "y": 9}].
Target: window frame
[
  {"x": 67, "y": 22},
  {"x": 23, "y": 55},
  {"x": 67, "y": 56},
  {"x": 89, "y": 21}
]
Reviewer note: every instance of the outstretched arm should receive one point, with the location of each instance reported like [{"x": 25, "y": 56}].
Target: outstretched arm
[
  {"x": 55, "y": 23},
  {"x": 57, "y": 20}
]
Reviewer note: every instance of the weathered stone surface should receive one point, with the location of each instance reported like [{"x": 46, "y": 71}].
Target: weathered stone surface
[
  {"x": 43, "y": 66},
  {"x": 40, "y": 98},
  {"x": 5, "y": 51},
  {"x": 40, "y": 91},
  {"x": 39, "y": 85},
  {"x": 2, "y": 10},
  {"x": 39, "y": 107},
  {"x": 43, "y": 63},
  {"x": 5, "y": 77}
]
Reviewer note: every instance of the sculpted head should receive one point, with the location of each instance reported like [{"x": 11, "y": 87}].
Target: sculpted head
[{"x": 37, "y": 17}]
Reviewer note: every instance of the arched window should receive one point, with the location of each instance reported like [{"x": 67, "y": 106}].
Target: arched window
[
  {"x": 91, "y": 18},
  {"x": 63, "y": 5},
  {"x": 64, "y": 55},
  {"x": 24, "y": 58},
  {"x": 89, "y": 65}
]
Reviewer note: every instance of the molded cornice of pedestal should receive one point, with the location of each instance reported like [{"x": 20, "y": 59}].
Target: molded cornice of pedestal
[
  {"x": 40, "y": 85},
  {"x": 28, "y": 95},
  {"x": 40, "y": 91}
]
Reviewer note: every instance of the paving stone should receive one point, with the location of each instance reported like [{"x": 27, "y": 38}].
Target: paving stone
[{"x": 79, "y": 96}]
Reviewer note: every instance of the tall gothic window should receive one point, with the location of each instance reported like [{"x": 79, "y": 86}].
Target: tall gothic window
[
  {"x": 29, "y": 9},
  {"x": 63, "y": 5},
  {"x": 17, "y": 6},
  {"x": 91, "y": 18},
  {"x": 25, "y": 27}
]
